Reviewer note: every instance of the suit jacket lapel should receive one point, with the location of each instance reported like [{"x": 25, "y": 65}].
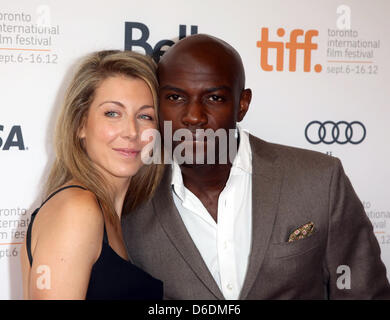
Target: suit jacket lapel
[
  {"x": 175, "y": 229},
  {"x": 266, "y": 185}
]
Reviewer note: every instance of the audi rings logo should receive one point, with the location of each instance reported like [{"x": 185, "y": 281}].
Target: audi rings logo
[{"x": 340, "y": 132}]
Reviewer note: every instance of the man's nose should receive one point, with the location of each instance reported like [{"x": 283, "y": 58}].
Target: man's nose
[{"x": 194, "y": 115}]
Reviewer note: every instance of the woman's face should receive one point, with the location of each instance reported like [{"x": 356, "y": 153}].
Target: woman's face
[{"x": 121, "y": 111}]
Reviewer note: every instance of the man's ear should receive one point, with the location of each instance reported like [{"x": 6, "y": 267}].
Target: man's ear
[{"x": 245, "y": 100}]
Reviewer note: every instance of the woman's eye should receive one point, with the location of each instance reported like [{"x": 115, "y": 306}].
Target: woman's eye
[
  {"x": 146, "y": 117},
  {"x": 111, "y": 114}
]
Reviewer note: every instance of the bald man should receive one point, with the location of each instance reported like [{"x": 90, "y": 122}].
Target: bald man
[{"x": 270, "y": 222}]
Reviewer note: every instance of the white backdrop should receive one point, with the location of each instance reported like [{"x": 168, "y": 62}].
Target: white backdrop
[{"x": 41, "y": 41}]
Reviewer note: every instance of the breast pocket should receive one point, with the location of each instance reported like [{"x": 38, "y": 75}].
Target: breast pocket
[
  {"x": 297, "y": 263},
  {"x": 298, "y": 247}
]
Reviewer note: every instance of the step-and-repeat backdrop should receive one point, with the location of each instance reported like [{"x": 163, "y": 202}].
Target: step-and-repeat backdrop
[{"x": 319, "y": 72}]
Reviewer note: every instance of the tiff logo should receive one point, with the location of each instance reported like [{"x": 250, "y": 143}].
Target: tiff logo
[{"x": 292, "y": 46}]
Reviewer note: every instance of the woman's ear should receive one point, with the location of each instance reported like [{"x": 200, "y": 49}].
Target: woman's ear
[{"x": 81, "y": 131}]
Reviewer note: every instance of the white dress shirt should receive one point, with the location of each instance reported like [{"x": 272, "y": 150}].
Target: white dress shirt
[{"x": 224, "y": 246}]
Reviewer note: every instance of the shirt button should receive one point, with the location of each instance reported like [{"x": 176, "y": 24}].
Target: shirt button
[{"x": 229, "y": 286}]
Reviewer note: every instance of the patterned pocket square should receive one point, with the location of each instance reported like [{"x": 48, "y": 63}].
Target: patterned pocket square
[{"x": 302, "y": 232}]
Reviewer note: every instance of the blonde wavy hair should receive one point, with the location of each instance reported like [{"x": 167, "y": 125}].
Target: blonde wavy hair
[{"x": 72, "y": 161}]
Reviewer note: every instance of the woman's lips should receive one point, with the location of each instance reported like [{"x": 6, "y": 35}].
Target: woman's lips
[{"x": 128, "y": 153}]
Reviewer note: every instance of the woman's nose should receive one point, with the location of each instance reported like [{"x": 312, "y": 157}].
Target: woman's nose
[{"x": 130, "y": 129}]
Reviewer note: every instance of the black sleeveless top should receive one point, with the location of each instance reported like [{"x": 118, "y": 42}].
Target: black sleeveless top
[{"x": 112, "y": 277}]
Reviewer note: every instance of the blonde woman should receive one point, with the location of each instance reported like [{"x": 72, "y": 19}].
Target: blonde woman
[{"x": 74, "y": 247}]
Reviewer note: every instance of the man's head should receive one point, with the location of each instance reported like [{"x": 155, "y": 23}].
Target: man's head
[{"x": 202, "y": 82}]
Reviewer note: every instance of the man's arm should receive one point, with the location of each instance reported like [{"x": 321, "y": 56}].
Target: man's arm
[{"x": 352, "y": 246}]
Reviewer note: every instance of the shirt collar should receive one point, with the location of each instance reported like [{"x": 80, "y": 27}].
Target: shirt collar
[
  {"x": 243, "y": 159},
  {"x": 177, "y": 180}
]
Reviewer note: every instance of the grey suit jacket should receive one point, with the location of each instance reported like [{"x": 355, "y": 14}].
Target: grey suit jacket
[{"x": 290, "y": 187}]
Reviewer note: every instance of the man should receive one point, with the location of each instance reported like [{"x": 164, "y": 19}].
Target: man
[{"x": 274, "y": 222}]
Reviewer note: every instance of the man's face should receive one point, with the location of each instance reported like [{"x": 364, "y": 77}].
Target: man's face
[{"x": 198, "y": 95}]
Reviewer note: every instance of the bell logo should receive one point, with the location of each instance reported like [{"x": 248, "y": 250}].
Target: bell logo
[
  {"x": 292, "y": 46},
  {"x": 157, "y": 51}
]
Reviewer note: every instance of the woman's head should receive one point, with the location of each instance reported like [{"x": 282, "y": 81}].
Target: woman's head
[
  {"x": 109, "y": 103},
  {"x": 121, "y": 111}
]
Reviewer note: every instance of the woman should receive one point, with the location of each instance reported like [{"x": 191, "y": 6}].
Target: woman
[{"x": 74, "y": 247}]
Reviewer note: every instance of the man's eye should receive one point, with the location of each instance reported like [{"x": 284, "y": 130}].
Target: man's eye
[
  {"x": 174, "y": 97},
  {"x": 111, "y": 114},
  {"x": 216, "y": 98}
]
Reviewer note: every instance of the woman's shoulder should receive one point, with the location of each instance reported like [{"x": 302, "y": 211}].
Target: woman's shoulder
[
  {"x": 73, "y": 214},
  {"x": 73, "y": 203}
]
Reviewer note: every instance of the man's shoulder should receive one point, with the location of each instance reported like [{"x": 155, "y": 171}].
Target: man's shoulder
[
  {"x": 289, "y": 156},
  {"x": 142, "y": 211}
]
